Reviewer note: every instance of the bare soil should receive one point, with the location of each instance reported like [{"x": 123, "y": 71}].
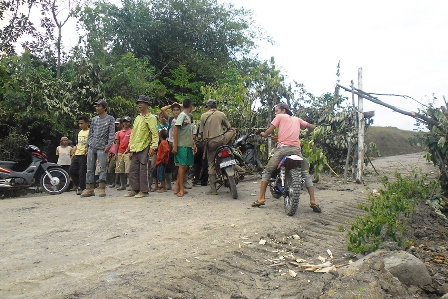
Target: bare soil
[{"x": 197, "y": 246}]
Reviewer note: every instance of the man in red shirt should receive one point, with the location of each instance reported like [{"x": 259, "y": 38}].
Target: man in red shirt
[
  {"x": 123, "y": 162},
  {"x": 288, "y": 144}
]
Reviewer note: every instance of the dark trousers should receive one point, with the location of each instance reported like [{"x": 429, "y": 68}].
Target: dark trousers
[
  {"x": 138, "y": 174},
  {"x": 78, "y": 170},
  {"x": 200, "y": 168}
]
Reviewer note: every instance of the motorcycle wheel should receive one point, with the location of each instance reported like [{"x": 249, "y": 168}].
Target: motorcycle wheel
[
  {"x": 232, "y": 186},
  {"x": 57, "y": 183},
  {"x": 293, "y": 182}
]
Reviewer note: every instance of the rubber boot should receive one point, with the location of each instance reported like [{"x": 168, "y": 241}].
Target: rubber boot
[
  {"x": 102, "y": 189},
  {"x": 111, "y": 179},
  {"x": 212, "y": 182},
  {"x": 89, "y": 191},
  {"x": 168, "y": 181},
  {"x": 123, "y": 179}
]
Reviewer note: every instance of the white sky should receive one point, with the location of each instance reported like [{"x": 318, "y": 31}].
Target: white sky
[{"x": 400, "y": 44}]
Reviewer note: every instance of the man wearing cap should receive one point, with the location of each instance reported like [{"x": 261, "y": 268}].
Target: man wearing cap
[
  {"x": 288, "y": 144},
  {"x": 99, "y": 142},
  {"x": 143, "y": 142},
  {"x": 215, "y": 130},
  {"x": 123, "y": 164}
]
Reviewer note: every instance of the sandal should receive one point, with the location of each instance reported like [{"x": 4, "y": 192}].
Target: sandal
[
  {"x": 257, "y": 203},
  {"x": 316, "y": 208}
]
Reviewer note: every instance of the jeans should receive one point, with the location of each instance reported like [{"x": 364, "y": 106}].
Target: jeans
[{"x": 93, "y": 155}]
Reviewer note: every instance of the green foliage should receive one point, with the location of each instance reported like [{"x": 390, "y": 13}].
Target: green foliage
[
  {"x": 388, "y": 212},
  {"x": 314, "y": 155}
]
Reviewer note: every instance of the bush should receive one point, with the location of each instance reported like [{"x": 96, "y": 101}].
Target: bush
[{"x": 388, "y": 212}]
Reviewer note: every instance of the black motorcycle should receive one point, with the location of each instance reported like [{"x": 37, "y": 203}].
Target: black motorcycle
[
  {"x": 287, "y": 181},
  {"x": 40, "y": 173},
  {"x": 226, "y": 175},
  {"x": 246, "y": 155}
]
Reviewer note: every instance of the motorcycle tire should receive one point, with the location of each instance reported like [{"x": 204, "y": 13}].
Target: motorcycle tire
[
  {"x": 58, "y": 183},
  {"x": 232, "y": 186},
  {"x": 293, "y": 183}
]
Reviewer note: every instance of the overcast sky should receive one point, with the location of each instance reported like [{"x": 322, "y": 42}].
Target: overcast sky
[{"x": 401, "y": 45}]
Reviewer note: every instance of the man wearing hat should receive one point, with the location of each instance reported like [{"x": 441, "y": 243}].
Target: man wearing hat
[
  {"x": 215, "y": 130},
  {"x": 143, "y": 143},
  {"x": 288, "y": 144},
  {"x": 123, "y": 164},
  {"x": 99, "y": 142}
]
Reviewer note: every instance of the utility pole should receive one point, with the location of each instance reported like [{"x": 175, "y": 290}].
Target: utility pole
[{"x": 361, "y": 126}]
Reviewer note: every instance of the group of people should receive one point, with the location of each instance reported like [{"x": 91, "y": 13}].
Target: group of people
[{"x": 169, "y": 147}]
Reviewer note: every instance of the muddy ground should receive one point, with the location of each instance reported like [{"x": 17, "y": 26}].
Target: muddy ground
[{"x": 197, "y": 246}]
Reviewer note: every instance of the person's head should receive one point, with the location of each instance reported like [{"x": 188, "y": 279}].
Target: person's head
[
  {"x": 282, "y": 108},
  {"x": 126, "y": 122},
  {"x": 211, "y": 104},
  {"x": 118, "y": 124},
  {"x": 188, "y": 105},
  {"x": 101, "y": 106},
  {"x": 163, "y": 134},
  {"x": 64, "y": 141},
  {"x": 143, "y": 103},
  {"x": 83, "y": 122},
  {"x": 162, "y": 118},
  {"x": 175, "y": 108}
]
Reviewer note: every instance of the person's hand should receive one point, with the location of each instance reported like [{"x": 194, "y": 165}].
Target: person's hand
[
  {"x": 106, "y": 149},
  {"x": 130, "y": 155},
  {"x": 151, "y": 152},
  {"x": 263, "y": 134},
  {"x": 174, "y": 151},
  {"x": 195, "y": 149}
]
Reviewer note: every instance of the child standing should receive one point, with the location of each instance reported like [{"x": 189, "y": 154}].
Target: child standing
[
  {"x": 78, "y": 168},
  {"x": 63, "y": 151},
  {"x": 163, "y": 153}
]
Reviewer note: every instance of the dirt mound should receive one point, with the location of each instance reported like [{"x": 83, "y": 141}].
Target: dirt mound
[{"x": 391, "y": 141}]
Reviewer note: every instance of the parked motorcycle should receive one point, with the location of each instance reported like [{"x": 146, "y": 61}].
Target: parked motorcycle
[
  {"x": 246, "y": 156},
  {"x": 225, "y": 169},
  {"x": 287, "y": 181},
  {"x": 40, "y": 173}
]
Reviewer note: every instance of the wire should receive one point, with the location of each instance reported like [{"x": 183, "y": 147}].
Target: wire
[{"x": 395, "y": 95}]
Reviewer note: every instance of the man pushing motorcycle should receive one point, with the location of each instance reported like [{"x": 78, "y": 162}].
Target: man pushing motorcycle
[
  {"x": 216, "y": 131},
  {"x": 288, "y": 144}
]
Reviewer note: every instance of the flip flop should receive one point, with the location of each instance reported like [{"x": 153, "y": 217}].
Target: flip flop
[
  {"x": 257, "y": 204},
  {"x": 316, "y": 208}
]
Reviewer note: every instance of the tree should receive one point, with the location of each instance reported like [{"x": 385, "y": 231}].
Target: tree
[{"x": 57, "y": 10}]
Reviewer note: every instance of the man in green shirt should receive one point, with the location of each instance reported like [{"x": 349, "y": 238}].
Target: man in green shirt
[{"x": 142, "y": 143}]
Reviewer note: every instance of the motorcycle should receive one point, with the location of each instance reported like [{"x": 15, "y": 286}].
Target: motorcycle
[
  {"x": 246, "y": 155},
  {"x": 287, "y": 181},
  {"x": 40, "y": 173},
  {"x": 225, "y": 164}
]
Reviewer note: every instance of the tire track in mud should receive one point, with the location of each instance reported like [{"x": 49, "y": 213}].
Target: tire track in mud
[{"x": 253, "y": 270}]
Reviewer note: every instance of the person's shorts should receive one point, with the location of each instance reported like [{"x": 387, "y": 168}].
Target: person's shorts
[
  {"x": 123, "y": 163},
  {"x": 184, "y": 156},
  {"x": 159, "y": 172}
]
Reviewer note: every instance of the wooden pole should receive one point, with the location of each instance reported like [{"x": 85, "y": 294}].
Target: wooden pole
[
  {"x": 355, "y": 119},
  {"x": 361, "y": 125}
]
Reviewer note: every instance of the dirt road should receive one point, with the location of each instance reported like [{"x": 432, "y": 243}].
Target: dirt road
[{"x": 163, "y": 246}]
